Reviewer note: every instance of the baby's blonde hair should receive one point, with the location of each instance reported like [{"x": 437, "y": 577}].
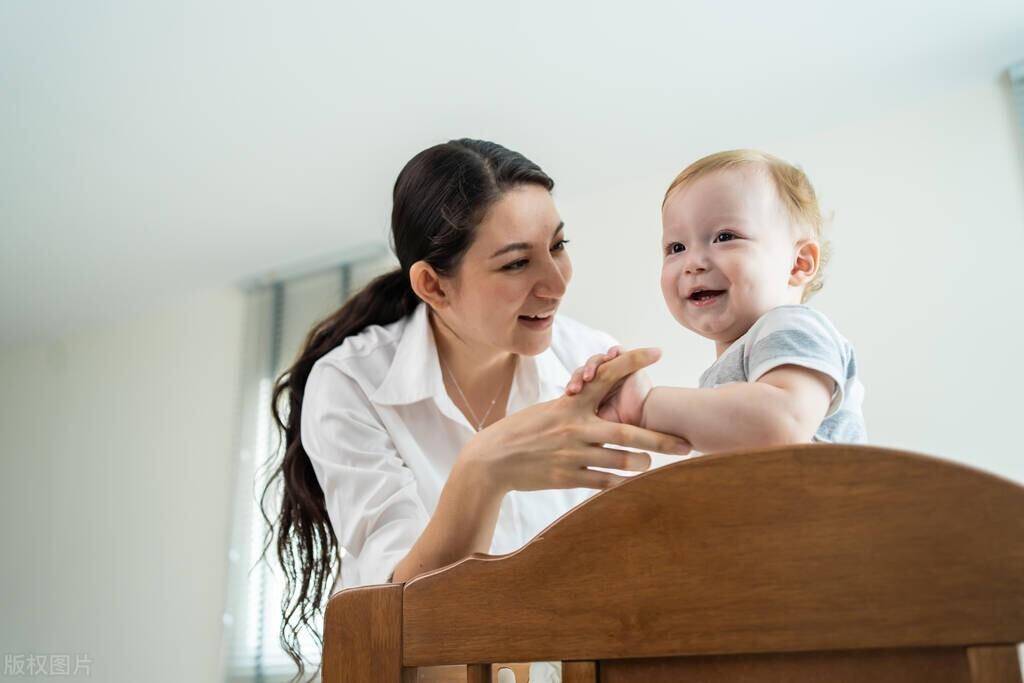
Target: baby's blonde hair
[{"x": 791, "y": 183}]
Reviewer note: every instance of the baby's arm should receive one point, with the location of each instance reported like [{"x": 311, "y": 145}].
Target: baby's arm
[{"x": 786, "y": 405}]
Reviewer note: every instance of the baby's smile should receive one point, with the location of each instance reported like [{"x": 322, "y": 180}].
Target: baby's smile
[{"x": 706, "y": 297}]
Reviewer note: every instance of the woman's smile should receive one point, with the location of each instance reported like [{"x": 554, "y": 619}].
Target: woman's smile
[{"x": 537, "y": 322}]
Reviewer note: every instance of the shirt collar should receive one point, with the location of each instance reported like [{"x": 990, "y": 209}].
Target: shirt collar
[{"x": 415, "y": 372}]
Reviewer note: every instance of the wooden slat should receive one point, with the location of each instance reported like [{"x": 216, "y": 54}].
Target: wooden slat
[
  {"x": 458, "y": 673},
  {"x": 948, "y": 665},
  {"x": 478, "y": 673},
  {"x": 363, "y": 635},
  {"x": 805, "y": 548},
  {"x": 579, "y": 672},
  {"x": 435, "y": 674},
  {"x": 994, "y": 664}
]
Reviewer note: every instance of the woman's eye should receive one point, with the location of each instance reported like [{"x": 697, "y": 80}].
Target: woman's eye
[
  {"x": 675, "y": 248},
  {"x": 725, "y": 236},
  {"x": 559, "y": 245},
  {"x": 516, "y": 265}
]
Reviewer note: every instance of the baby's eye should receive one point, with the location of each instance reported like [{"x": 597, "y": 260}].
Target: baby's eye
[
  {"x": 675, "y": 248},
  {"x": 725, "y": 236}
]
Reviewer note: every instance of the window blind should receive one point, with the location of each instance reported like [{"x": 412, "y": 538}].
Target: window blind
[
  {"x": 1016, "y": 73},
  {"x": 280, "y": 310}
]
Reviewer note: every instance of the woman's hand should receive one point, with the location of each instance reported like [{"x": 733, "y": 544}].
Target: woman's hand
[
  {"x": 546, "y": 446},
  {"x": 625, "y": 401},
  {"x": 550, "y": 445}
]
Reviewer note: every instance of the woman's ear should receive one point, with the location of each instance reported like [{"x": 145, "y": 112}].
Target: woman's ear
[
  {"x": 805, "y": 263},
  {"x": 428, "y": 285}
]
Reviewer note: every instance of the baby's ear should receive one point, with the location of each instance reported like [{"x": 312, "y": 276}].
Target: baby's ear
[{"x": 806, "y": 261}]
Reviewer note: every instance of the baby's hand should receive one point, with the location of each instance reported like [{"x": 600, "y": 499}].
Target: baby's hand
[
  {"x": 625, "y": 402},
  {"x": 586, "y": 373}
]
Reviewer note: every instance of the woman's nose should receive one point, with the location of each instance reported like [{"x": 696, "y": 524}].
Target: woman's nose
[{"x": 553, "y": 283}]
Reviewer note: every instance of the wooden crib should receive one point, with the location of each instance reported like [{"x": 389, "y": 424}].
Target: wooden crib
[{"x": 803, "y": 563}]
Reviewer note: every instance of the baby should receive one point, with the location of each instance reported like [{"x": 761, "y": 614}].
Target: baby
[{"x": 742, "y": 253}]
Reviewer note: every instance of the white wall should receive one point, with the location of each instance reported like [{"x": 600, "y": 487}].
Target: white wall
[
  {"x": 118, "y": 441},
  {"x": 116, "y": 463},
  {"x": 928, "y": 235}
]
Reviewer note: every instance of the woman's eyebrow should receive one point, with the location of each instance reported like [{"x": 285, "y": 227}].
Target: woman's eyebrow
[{"x": 522, "y": 246}]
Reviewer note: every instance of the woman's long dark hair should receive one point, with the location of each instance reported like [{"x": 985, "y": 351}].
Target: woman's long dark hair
[{"x": 439, "y": 198}]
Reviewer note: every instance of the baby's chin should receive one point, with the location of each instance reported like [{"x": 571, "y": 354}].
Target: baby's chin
[
  {"x": 715, "y": 333},
  {"x": 702, "y": 331}
]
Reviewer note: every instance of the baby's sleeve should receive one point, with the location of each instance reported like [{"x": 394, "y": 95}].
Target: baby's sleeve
[
  {"x": 371, "y": 496},
  {"x": 798, "y": 335}
]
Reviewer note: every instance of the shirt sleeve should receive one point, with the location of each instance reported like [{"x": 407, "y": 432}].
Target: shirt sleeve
[
  {"x": 371, "y": 496},
  {"x": 802, "y": 336}
]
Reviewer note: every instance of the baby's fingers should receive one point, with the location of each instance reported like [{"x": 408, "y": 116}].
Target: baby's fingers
[
  {"x": 612, "y": 373},
  {"x": 575, "y": 384},
  {"x": 593, "y": 363}
]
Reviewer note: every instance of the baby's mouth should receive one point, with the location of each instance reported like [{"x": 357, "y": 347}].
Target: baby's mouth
[{"x": 704, "y": 297}]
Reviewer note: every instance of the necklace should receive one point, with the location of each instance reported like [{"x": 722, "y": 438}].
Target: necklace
[{"x": 478, "y": 425}]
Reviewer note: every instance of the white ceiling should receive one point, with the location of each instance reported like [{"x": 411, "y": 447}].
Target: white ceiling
[{"x": 150, "y": 147}]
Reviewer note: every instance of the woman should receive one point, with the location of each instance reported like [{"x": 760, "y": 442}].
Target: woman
[{"x": 425, "y": 418}]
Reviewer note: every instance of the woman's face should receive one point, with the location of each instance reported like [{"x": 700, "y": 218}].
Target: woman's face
[{"x": 507, "y": 289}]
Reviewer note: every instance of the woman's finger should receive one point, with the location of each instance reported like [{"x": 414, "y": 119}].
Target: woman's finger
[
  {"x": 602, "y": 431},
  {"x": 575, "y": 382},
  {"x": 612, "y": 458},
  {"x": 593, "y": 479},
  {"x": 610, "y": 373},
  {"x": 592, "y": 364}
]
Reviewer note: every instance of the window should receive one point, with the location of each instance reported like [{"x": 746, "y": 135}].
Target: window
[
  {"x": 281, "y": 309},
  {"x": 1016, "y": 73}
]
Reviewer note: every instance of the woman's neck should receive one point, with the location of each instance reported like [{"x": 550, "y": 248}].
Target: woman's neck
[{"x": 484, "y": 374}]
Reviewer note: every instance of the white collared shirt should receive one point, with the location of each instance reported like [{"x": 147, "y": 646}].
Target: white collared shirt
[{"x": 382, "y": 435}]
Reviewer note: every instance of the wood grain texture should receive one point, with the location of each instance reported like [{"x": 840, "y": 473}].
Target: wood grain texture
[
  {"x": 579, "y": 672},
  {"x": 948, "y": 665},
  {"x": 478, "y": 673},
  {"x": 434, "y": 674},
  {"x": 812, "y": 547},
  {"x": 994, "y": 664},
  {"x": 460, "y": 673},
  {"x": 363, "y": 635}
]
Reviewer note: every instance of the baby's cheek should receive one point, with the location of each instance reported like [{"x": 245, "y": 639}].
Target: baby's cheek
[
  {"x": 669, "y": 288},
  {"x": 667, "y": 282},
  {"x": 670, "y": 293}
]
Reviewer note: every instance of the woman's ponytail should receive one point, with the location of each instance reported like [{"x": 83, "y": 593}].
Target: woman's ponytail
[{"x": 307, "y": 548}]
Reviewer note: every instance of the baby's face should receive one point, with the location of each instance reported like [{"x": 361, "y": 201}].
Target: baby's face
[{"x": 729, "y": 249}]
